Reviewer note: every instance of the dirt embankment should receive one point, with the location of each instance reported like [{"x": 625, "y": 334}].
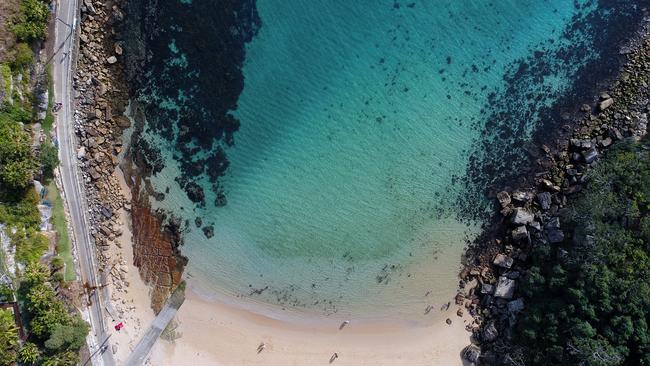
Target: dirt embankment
[{"x": 8, "y": 10}]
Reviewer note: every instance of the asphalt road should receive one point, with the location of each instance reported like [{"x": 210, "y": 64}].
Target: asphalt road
[{"x": 74, "y": 195}]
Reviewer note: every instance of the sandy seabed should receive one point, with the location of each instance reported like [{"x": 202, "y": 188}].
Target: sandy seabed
[{"x": 213, "y": 332}]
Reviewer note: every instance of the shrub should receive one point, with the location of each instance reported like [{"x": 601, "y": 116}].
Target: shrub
[
  {"x": 17, "y": 163},
  {"x": 30, "y": 246},
  {"x": 49, "y": 158},
  {"x": 57, "y": 263},
  {"x": 8, "y": 338},
  {"x": 29, "y": 354},
  {"x": 31, "y": 23},
  {"x": 24, "y": 55}
]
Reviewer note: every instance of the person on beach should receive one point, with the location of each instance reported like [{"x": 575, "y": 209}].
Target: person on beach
[
  {"x": 344, "y": 324},
  {"x": 334, "y": 357},
  {"x": 261, "y": 347}
]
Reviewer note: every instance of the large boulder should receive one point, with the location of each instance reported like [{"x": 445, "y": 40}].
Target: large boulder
[
  {"x": 487, "y": 289},
  {"x": 490, "y": 333},
  {"x": 504, "y": 198},
  {"x": 521, "y": 216},
  {"x": 547, "y": 184},
  {"x": 520, "y": 233},
  {"x": 503, "y": 261},
  {"x": 555, "y": 235},
  {"x": 522, "y": 196},
  {"x": 122, "y": 121},
  {"x": 505, "y": 288},
  {"x": 469, "y": 287},
  {"x": 606, "y": 104},
  {"x": 472, "y": 353},
  {"x": 516, "y": 306},
  {"x": 590, "y": 155}
]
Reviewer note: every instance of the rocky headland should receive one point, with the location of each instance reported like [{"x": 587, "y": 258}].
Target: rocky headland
[
  {"x": 529, "y": 213},
  {"x": 101, "y": 100}
]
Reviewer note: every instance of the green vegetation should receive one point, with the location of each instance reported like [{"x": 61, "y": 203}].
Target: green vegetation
[
  {"x": 30, "y": 245},
  {"x": 6, "y": 294},
  {"x": 17, "y": 163},
  {"x": 50, "y": 323},
  {"x": 29, "y": 354},
  {"x": 56, "y": 332},
  {"x": 24, "y": 56},
  {"x": 49, "y": 159},
  {"x": 63, "y": 243},
  {"x": 31, "y": 23},
  {"x": 20, "y": 210},
  {"x": 8, "y": 337},
  {"x": 48, "y": 122},
  {"x": 589, "y": 298},
  {"x": 5, "y": 73}
]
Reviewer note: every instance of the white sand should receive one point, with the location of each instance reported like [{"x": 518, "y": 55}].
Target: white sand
[{"x": 214, "y": 333}]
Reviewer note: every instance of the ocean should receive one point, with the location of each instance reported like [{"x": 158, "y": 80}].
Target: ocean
[{"x": 334, "y": 157}]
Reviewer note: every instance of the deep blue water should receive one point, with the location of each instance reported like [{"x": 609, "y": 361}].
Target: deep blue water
[{"x": 328, "y": 146}]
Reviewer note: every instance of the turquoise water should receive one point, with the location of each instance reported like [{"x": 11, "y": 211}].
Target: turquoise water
[{"x": 355, "y": 118}]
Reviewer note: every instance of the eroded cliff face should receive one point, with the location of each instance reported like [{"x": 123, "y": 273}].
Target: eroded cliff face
[{"x": 155, "y": 249}]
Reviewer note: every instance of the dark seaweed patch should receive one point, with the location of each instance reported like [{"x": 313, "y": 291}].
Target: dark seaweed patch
[
  {"x": 192, "y": 81},
  {"x": 503, "y": 155}
]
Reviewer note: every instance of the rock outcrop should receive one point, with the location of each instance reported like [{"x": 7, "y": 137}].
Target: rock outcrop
[
  {"x": 529, "y": 215},
  {"x": 101, "y": 98}
]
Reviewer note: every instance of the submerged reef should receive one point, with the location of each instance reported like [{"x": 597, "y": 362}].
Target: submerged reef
[
  {"x": 185, "y": 70},
  {"x": 508, "y": 146}
]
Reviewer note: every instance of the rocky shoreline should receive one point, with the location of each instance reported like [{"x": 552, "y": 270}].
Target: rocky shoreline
[
  {"x": 101, "y": 99},
  {"x": 529, "y": 214},
  {"x": 498, "y": 259}
]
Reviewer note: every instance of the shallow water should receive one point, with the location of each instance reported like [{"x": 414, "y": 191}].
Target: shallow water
[{"x": 358, "y": 120}]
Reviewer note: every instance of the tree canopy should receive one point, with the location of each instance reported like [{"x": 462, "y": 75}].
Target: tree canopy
[
  {"x": 31, "y": 22},
  {"x": 49, "y": 158},
  {"x": 589, "y": 297},
  {"x": 50, "y": 323},
  {"x": 8, "y": 338},
  {"x": 17, "y": 162}
]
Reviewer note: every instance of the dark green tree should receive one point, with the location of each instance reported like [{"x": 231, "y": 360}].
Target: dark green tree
[
  {"x": 8, "y": 338},
  {"x": 68, "y": 337},
  {"x": 31, "y": 23},
  {"x": 17, "y": 163},
  {"x": 589, "y": 297},
  {"x": 49, "y": 158}
]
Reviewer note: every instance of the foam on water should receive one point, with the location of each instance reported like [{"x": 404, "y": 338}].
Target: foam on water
[{"x": 357, "y": 120}]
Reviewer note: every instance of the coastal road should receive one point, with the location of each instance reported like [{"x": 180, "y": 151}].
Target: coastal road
[{"x": 66, "y": 23}]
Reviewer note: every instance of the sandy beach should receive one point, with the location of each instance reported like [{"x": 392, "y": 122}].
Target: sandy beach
[
  {"x": 131, "y": 298},
  {"x": 214, "y": 333}
]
